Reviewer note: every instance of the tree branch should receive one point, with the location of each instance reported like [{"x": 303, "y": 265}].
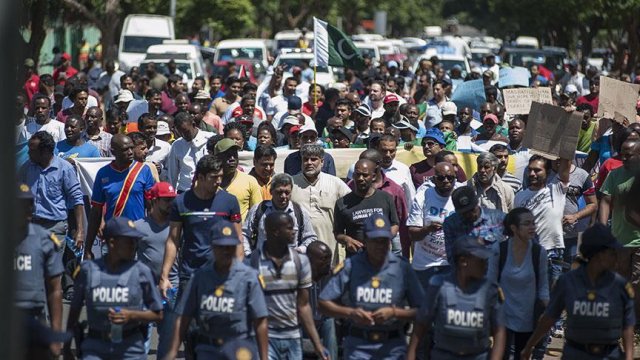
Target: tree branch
[{"x": 73, "y": 4}]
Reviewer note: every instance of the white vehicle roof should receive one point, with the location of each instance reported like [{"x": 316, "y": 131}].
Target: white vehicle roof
[
  {"x": 527, "y": 41},
  {"x": 234, "y": 43},
  {"x": 292, "y": 35},
  {"x": 367, "y": 37},
  {"x": 164, "y": 48},
  {"x": 413, "y": 41},
  {"x": 148, "y": 25}
]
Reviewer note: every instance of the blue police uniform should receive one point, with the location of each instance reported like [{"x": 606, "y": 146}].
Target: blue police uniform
[
  {"x": 223, "y": 306},
  {"x": 596, "y": 314},
  {"x": 358, "y": 284},
  {"x": 132, "y": 287},
  {"x": 36, "y": 258},
  {"x": 462, "y": 321}
]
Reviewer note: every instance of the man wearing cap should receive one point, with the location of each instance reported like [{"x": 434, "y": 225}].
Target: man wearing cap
[
  {"x": 391, "y": 103},
  {"x": 432, "y": 143},
  {"x": 362, "y": 117},
  {"x": 341, "y": 138},
  {"x": 118, "y": 189},
  {"x": 470, "y": 219},
  {"x": 489, "y": 131},
  {"x": 308, "y": 136},
  {"x": 573, "y": 77},
  {"x": 32, "y": 80},
  {"x": 492, "y": 192},
  {"x": 192, "y": 215},
  {"x": 150, "y": 251},
  {"x": 64, "y": 71},
  {"x": 367, "y": 290},
  {"x": 185, "y": 152},
  {"x": 120, "y": 297},
  {"x": 462, "y": 309},
  {"x": 598, "y": 303},
  {"x": 203, "y": 98},
  {"x": 294, "y": 108},
  {"x": 281, "y": 103},
  {"x": 93, "y": 132},
  {"x": 225, "y": 300},
  {"x": 132, "y": 107},
  {"x": 37, "y": 267},
  {"x": 435, "y": 105},
  {"x": 408, "y": 132},
  {"x": 243, "y": 186},
  {"x": 164, "y": 130}
]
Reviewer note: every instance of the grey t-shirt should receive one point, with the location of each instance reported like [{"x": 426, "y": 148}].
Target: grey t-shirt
[
  {"x": 151, "y": 248},
  {"x": 579, "y": 183}
]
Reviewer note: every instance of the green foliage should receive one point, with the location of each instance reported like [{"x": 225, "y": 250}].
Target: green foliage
[{"x": 227, "y": 18}]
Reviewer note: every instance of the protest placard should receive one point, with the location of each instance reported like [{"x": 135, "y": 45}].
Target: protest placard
[
  {"x": 518, "y": 101},
  {"x": 616, "y": 95},
  {"x": 552, "y": 131},
  {"x": 469, "y": 94},
  {"x": 515, "y": 76}
]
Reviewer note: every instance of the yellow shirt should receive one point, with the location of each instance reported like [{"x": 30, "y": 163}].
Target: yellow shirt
[{"x": 247, "y": 190}]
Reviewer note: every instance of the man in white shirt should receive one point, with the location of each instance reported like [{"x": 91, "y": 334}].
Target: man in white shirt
[
  {"x": 280, "y": 103},
  {"x": 158, "y": 149},
  {"x": 394, "y": 169},
  {"x": 185, "y": 152},
  {"x": 376, "y": 96},
  {"x": 41, "y": 120}
]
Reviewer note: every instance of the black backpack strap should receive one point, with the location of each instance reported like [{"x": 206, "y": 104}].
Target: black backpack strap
[
  {"x": 297, "y": 262},
  {"x": 297, "y": 212},
  {"x": 504, "y": 247},
  {"x": 535, "y": 257},
  {"x": 255, "y": 224}
]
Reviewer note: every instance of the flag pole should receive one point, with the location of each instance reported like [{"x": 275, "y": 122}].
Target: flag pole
[{"x": 315, "y": 94}]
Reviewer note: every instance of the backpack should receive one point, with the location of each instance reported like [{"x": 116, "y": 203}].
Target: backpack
[
  {"x": 254, "y": 261},
  {"x": 255, "y": 222}
]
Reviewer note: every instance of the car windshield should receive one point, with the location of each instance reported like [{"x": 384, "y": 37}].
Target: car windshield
[
  {"x": 240, "y": 53},
  {"x": 298, "y": 62},
  {"x": 139, "y": 44},
  {"x": 161, "y": 68}
]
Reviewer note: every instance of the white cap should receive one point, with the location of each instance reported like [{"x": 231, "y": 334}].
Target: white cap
[
  {"x": 308, "y": 126},
  {"x": 124, "y": 96},
  {"x": 202, "y": 95},
  {"x": 449, "y": 108},
  {"x": 570, "y": 89},
  {"x": 163, "y": 128}
]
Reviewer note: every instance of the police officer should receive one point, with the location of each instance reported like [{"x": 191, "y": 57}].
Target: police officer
[
  {"x": 38, "y": 268},
  {"x": 224, "y": 298},
  {"x": 462, "y": 308},
  {"x": 119, "y": 293},
  {"x": 598, "y": 302},
  {"x": 380, "y": 293}
]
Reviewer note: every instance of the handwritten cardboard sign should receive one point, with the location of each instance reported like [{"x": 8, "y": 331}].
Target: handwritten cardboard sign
[
  {"x": 617, "y": 96},
  {"x": 518, "y": 101},
  {"x": 552, "y": 131}
]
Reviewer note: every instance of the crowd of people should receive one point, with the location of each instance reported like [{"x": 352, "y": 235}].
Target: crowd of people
[{"x": 230, "y": 261}]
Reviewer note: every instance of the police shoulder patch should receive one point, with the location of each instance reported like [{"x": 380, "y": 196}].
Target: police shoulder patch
[
  {"x": 55, "y": 240},
  {"x": 500, "y": 295},
  {"x": 243, "y": 354},
  {"x": 261, "y": 281},
  {"x": 629, "y": 288},
  {"x": 338, "y": 267}
]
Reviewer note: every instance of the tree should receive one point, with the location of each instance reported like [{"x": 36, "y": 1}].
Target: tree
[{"x": 34, "y": 18}]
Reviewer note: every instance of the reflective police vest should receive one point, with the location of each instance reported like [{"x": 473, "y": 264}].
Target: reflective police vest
[
  {"x": 462, "y": 323},
  {"x": 222, "y": 307},
  {"x": 29, "y": 267},
  {"x": 595, "y": 316},
  {"x": 106, "y": 291}
]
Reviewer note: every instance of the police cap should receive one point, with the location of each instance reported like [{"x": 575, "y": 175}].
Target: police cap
[
  {"x": 377, "y": 226},
  {"x": 121, "y": 227},
  {"x": 596, "y": 239},
  {"x": 471, "y": 245},
  {"x": 223, "y": 233}
]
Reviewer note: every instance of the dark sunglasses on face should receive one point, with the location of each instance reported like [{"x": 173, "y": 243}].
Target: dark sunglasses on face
[{"x": 441, "y": 178}]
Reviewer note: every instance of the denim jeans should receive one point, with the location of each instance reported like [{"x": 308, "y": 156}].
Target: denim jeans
[
  {"x": 556, "y": 257},
  {"x": 285, "y": 349},
  {"x": 327, "y": 332}
]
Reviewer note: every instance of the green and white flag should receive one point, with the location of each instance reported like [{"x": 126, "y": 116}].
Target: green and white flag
[{"x": 333, "y": 48}]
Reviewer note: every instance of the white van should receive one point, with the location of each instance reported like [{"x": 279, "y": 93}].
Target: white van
[
  {"x": 371, "y": 49},
  {"x": 138, "y": 33},
  {"x": 187, "y": 57},
  {"x": 288, "y": 39},
  {"x": 254, "y": 50}
]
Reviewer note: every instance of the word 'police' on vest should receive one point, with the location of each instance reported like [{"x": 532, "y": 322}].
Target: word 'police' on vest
[
  {"x": 217, "y": 304},
  {"x": 22, "y": 263},
  {"x": 111, "y": 295},
  {"x": 590, "y": 308},
  {"x": 474, "y": 319},
  {"x": 376, "y": 296}
]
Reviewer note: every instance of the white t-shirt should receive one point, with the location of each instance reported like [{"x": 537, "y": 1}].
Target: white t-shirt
[
  {"x": 547, "y": 206},
  {"x": 428, "y": 207},
  {"x": 53, "y": 127}
]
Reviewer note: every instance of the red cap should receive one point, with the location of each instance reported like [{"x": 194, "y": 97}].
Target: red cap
[
  {"x": 391, "y": 98},
  {"x": 492, "y": 118},
  {"x": 161, "y": 190},
  {"x": 66, "y": 56},
  {"x": 293, "y": 129}
]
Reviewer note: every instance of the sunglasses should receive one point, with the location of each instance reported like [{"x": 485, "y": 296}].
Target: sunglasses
[
  {"x": 430, "y": 143},
  {"x": 441, "y": 178}
]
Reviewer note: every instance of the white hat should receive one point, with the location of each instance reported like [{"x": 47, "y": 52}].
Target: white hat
[
  {"x": 163, "y": 128},
  {"x": 308, "y": 126},
  {"x": 124, "y": 96},
  {"x": 570, "y": 89},
  {"x": 202, "y": 95},
  {"x": 449, "y": 108},
  {"x": 404, "y": 123},
  {"x": 289, "y": 119}
]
